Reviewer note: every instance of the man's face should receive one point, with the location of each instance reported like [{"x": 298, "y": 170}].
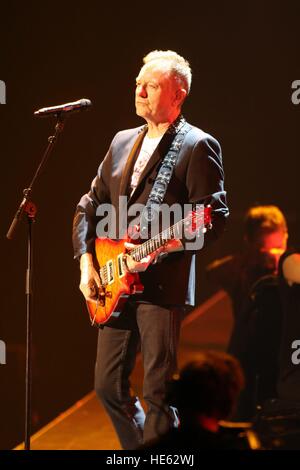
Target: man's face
[
  {"x": 157, "y": 95},
  {"x": 274, "y": 244}
]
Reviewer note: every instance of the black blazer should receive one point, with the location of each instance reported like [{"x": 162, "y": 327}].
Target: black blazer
[{"x": 198, "y": 177}]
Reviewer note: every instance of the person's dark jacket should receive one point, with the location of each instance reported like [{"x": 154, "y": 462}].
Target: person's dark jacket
[{"x": 198, "y": 177}]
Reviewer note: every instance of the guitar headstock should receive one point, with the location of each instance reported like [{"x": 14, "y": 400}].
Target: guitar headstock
[{"x": 199, "y": 219}]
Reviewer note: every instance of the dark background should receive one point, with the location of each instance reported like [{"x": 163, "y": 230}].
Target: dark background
[{"x": 244, "y": 56}]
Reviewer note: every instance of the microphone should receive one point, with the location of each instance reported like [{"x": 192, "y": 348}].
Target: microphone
[{"x": 79, "y": 105}]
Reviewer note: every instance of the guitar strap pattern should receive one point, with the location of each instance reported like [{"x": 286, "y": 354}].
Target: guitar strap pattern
[{"x": 151, "y": 210}]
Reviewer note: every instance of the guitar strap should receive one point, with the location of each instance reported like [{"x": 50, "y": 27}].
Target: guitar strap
[{"x": 151, "y": 210}]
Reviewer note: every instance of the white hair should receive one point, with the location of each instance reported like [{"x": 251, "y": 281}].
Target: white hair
[{"x": 177, "y": 65}]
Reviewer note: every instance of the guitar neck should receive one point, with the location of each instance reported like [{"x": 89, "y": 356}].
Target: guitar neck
[{"x": 158, "y": 241}]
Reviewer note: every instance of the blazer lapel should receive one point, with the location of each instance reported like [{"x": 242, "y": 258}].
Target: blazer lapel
[{"x": 126, "y": 174}]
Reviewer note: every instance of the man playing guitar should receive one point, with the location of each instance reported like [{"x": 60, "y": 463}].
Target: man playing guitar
[{"x": 150, "y": 317}]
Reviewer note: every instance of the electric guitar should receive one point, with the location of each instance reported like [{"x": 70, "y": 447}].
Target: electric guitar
[{"x": 117, "y": 283}]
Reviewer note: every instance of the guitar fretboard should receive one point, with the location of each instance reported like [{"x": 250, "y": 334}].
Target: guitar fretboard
[{"x": 154, "y": 243}]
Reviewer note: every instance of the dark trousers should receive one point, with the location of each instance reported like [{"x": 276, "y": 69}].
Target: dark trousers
[{"x": 155, "y": 331}]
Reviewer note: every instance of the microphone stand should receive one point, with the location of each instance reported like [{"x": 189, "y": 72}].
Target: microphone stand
[{"x": 28, "y": 207}]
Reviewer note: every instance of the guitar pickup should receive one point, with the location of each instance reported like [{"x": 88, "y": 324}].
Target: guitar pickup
[
  {"x": 121, "y": 268},
  {"x": 110, "y": 272}
]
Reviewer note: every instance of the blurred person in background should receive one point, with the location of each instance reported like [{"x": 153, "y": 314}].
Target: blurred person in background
[
  {"x": 205, "y": 394},
  {"x": 250, "y": 279}
]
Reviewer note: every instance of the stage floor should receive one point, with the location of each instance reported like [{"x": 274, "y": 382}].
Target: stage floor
[{"x": 85, "y": 426}]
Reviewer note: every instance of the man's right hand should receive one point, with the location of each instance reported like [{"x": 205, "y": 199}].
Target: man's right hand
[{"x": 90, "y": 283}]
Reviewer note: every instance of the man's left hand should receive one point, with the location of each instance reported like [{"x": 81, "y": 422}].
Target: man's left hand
[{"x": 141, "y": 266}]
